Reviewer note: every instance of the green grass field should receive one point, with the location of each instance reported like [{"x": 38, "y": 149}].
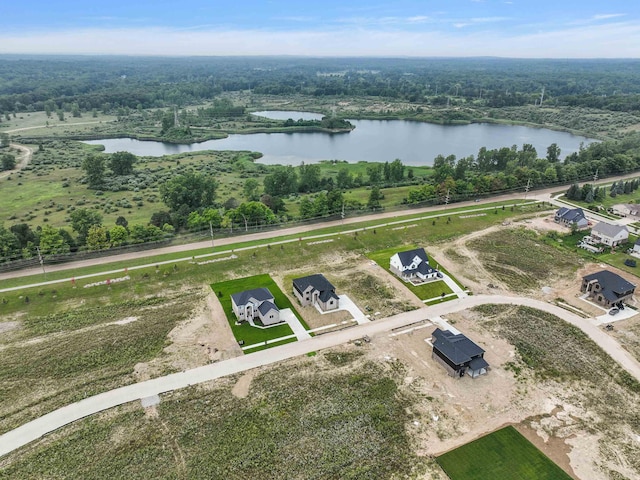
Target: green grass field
[
  {"x": 245, "y": 332},
  {"x": 501, "y": 455}
]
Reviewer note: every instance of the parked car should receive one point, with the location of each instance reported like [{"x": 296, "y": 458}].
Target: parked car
[{"x": 614, "y": 311}]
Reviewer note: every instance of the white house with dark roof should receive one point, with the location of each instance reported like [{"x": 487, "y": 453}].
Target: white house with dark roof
[
  {"x": 316, "y": 289},
  {"x": 255, "y": 304},
  {"x": 607, "y": 288},
  {"x": 609, "y": 234},
  {"x": 571, "y": 216},
  {"x": 457, "y": 354},
  {"x": 412, "y": 265}
]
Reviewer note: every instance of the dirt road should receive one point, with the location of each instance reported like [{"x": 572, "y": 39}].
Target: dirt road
[{"x": 22, "y": 161}]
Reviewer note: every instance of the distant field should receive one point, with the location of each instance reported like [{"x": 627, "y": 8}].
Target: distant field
[{"x": 502, "y": 455}]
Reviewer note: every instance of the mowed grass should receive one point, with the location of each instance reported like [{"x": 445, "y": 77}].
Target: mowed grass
[
  {"x": 423, "y": 292},
  {"x": 245, "y": 332},
  {"x": 308, "y": 419},
  {"x": 505, "y": 455}
]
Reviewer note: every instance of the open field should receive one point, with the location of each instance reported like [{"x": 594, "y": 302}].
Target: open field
[
  {"x": 522, "y": 260},
  {"x": 504, "y": 454}
]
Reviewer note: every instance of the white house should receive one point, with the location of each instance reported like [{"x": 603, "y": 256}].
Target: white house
[
  {"x": 316, "y": 289},
  {"x": 412, "y": 264},
  {"x": 257, "y": 303},
  {"x": 609, "y": 234}
]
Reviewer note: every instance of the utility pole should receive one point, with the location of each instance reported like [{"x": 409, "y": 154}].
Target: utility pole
[
  {"x": 541, "y": 96},
  {"x": 41, "y": 262},
  {"x": 342, "y": 214},
  {"x": 211, "y": 232},
  {"x": 527, "y": 188},
  {"x": 595, "y": 176},
  {"x": 447, "y": 198}
]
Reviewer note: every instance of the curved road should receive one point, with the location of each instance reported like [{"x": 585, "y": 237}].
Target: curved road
[{"x": 35, "y": 429}]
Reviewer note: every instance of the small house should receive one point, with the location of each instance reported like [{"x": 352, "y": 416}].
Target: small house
[
  {"x": 412, "y": 265},
  {"x": 255, "y": 304},
  {"x": 457, "y": 354},
  {"x": 607, "y": 288},
  {"x": 609, "y": 234},
  {"x": 571, "y": 216},
  {"x": 316, "y": 289},
  {"x": 636, "y": 247}
]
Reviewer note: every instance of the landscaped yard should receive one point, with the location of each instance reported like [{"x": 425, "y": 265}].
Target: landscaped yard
[
  {"x": 245, "y": 332},
  {"x": 504, "y": 455},
  {"x": 423, "y": 292}
]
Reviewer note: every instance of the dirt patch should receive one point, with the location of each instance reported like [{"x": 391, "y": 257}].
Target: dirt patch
[
  {"x": 242, "y": 386},
  {"x": 203, "y": 338},
  {"x": 8, "y": 326}
]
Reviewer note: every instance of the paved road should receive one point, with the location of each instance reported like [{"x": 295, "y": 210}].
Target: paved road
[
  {"x": 50, "y": 422},
  {"x": 539, "y": 195}
]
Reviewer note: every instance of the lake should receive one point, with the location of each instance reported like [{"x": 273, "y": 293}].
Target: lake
[{"x": 415, "y": 143}]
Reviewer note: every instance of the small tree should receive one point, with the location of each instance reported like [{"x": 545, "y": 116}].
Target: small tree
[
  {"x": 7, "y": 162},
  {"x": 94, "y": 167},
  {"x": 374, "y": 198}
]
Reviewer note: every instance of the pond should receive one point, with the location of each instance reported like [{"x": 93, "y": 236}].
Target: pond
[{"x": 415, "y": 143}]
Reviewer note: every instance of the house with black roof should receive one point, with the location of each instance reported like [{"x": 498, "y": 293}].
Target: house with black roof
[
  {"x": 255, "y": 304},
  {"x": 607, "y": 288},
  {"x": 412, "y": 265},
  {"x": 457, "y": 354},
  {"x": 571, "y": 216},
  {"x": 316, "y": 289}
]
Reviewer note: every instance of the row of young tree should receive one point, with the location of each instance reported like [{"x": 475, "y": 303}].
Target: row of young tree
[{"x": 590, "y": 194}]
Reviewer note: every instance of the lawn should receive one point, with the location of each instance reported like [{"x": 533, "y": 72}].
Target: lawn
[
  {"x": 505, "y": 455},
  {"x": 245, "y": 332},
  {"x": 423, "y": 292}
]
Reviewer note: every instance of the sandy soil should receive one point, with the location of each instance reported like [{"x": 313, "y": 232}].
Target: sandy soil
[{"x": 25, "y": 156}]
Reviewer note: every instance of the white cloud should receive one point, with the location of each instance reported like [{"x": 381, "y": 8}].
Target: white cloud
[
  {"x": 607, "y": 40},
  {"x": 606, "y": 16}
]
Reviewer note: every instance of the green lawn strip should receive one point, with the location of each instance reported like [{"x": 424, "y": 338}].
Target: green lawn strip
[
  {"x": 505, "y": 455},
  {"x": 443, "y": 232},
  {"x": 423, "y": 292},
  {"x": 245, "y": 332},
  {"x": 270, "y": 345}
]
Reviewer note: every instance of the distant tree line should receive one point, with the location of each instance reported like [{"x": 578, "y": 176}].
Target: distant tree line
[{"x": 58, "y": 85}]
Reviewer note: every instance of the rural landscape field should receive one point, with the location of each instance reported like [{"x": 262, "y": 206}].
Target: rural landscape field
[{"x": 286, "y": 241}]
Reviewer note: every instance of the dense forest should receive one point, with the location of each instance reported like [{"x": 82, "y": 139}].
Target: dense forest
[{"x": 31, "y": 83}]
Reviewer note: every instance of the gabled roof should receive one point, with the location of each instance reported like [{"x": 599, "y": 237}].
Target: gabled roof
[
  {"x": 406, "y": 258},
  {"x": 318, "y": 282},
  {"x": 260, "y": 294},
  {"x": 425, "y": 269},
  {"x": 456, "y": 347},
  {"x": 613, "y": 285},
  {"x": 266, "y": 306},
  {"x": 609, "y": 230},
  {"x": 571, "y": 214}
]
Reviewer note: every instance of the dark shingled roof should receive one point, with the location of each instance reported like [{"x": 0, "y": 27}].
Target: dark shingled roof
[
  {"x": 570, "y": 214},
  {"x": 406, "y": 258},
  {"x": 266, "y": 306},
  {"x": 318, "y": 282},
  {"x": 613, "y": 285},
  {"x": 260, "y": 294},
  {"x": 456, "y": 347}
]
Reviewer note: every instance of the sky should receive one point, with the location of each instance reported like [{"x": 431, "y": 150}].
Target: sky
[{"x": 399, "y": 28}]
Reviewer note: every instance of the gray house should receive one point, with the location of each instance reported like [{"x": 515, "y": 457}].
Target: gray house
[
  {"x": 316, "y": 289},
  {"x": 412, "y": 265},
  {"x": 255, "y": 304},
  {"x": 607, "y": 288},
  {"x": 457, "y": 354},
  {"x": 571, "y": 216},
  {"x": 609, "y": 234}
]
